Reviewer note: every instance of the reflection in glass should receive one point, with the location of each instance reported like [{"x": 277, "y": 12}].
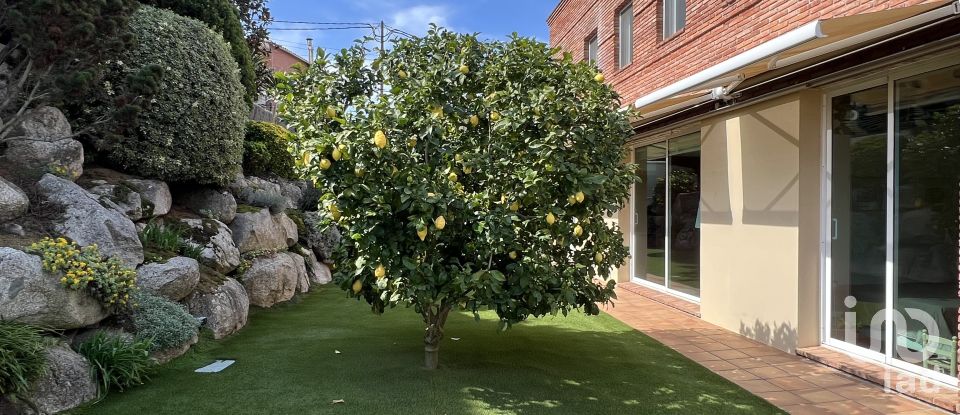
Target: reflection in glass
[
  {"x": 650, "y": 214},
  {"x": 927, "y": 134},
  {"x": 858, "y": 214},
  {"x": 685, "y": 214}
]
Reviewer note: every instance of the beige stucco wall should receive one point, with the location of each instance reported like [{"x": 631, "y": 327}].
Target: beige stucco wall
[{"x": 760, "y": 213}]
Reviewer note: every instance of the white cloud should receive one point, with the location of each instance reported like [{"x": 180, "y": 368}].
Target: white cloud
[{"x": 417, "y": 19}]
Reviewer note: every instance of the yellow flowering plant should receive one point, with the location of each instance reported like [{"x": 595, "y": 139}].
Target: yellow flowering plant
[{"x": 84, "y": 268}]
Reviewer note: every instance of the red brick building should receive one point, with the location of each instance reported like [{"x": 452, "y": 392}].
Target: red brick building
[
  {"x": 799, "y": 165},
  {"x": 281, "y": 59}
]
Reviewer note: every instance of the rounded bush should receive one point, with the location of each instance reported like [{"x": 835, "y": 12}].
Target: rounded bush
[
  {"x": 192, "y": 129},
  {"x": 164, "y": 323},
  {"x": 265, "y": 151}
]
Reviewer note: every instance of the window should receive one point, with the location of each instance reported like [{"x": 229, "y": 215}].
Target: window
[
  {"x": 590, "y": 48},
  {"x": 625, "y": 41},
  {"x": 674, "y": 15}
]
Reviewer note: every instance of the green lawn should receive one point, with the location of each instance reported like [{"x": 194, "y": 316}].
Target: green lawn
[{"x": 287, "y": 364}]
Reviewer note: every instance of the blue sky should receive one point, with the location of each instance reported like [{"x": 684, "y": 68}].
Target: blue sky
[{"x": 493, "y": 19}]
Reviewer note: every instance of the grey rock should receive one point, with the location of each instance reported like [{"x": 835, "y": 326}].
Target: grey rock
[
  {"x": 41, "y": 144},
  {"x": 260, "y": 230},
  {"x": 12, "y": 229},
  {"x": 303, "y": 278},
  {"x": 87, "y": 221},
  {"x": 219, "y": 250},
  {"x": 322, "y": 240},
  {"x": 29, "y": 294},
  {"x": 155, "y": 195},
  {"x": 87, "y": 335},
  {"x": 317, "y": 272},
  {"x": 211, "y": 203},
  {"x": 258, "y": 192},
  {"x": 164, "y": 356},
  {"x": 225, "y": 308},
  {"x": 13, "y": 201},
  {"x": 124, "y": 197},
  {"x": 67, "y": 383},
  {"x": 272, "y": 279},
  {"x": 174, "y": 279}
]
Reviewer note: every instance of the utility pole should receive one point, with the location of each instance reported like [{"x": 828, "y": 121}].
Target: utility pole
[
  {"x": 382, "y": 40},
  {"x": 309, "y": 51}
]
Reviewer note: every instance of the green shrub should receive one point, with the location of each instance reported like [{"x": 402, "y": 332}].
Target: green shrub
[
  {"x": 265, "y": 150},
  {"x": 118, "y": 363},
  {"x": 22, "y": 357},
  {"x": 224, "y": 18},
  {"x": 106, "y": 279},
  {"x": 192, "y": 131},
  {"x": 162, "y": 241},
  {"x": 164, "y": 323}
]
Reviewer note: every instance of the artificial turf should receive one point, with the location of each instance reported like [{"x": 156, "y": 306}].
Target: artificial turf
[{"x": 287, "y": 363}]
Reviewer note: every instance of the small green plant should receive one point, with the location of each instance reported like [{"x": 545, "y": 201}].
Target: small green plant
[
  {"x": 162, "y": 322},
  {"x": 22, "y": 358},
  {"x": 106, "y": 279},
  {"x": 265, "y": 150},
  {"x": 162, "y": 241},
  {"x": 118, "y": 363},
  {"x": 246, "y": 259}
]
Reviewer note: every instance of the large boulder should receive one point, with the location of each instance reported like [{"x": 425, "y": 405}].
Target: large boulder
[
  {"x": 259, "y": 192},
  {"x": 41, "y": 143},
  {"x": 225, "y": 308},
  {"x": 87, "y": 221},
  {"x": 211, "y": 203},
  {"x": 123, "y": 196},
  {"x": 29, "y": 294},
  {"x": 258, "y": 230},
  {"x": 155, "y": 195},
  {"x": 174, "y": 279},
  {"x": 164, "y": 356},
  {"x": 322, "y": 240},
  {"x": 317, "y": 272},
  {"x": 13, "y": 202},
  {"x": 303, "y": 278},
  {"x": 273, "y": 279},
  {"x": 67, "y": 383},
  {"x": 219, "y": 250}
]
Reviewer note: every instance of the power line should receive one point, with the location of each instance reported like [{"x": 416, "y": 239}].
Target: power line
[
  {"x": 326, "y": 23},
  {"x": 317, "y": 29}
]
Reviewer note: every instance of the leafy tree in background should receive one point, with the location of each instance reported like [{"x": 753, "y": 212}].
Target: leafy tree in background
[
  {"x": 465, "y": 175},
  {"x": 224, "y": 18},
  {"x": 255, "y": 17}
]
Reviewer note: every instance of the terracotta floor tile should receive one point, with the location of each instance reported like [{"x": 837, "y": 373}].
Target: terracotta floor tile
[
  {"x": 792, "y": 383},
  {"x": 890, "y": 404},
  {"x": 737, "y": 374},
  {"x": 730, "y": 354},
  {"x": 712, "y": 347},
  {"x": 768, "y": 372},
  {"x": 748, "y": 363},
  {"x": 846, "y": 408},
  {"x": 819, "y": 395},
  {"x": 701, "y": 357},
  {"x": 782, "y": 398},
  {"x": 759, "y": 351},
  {"x": 758, "y": 385},
  {"x": 827, "y": 380},
  {"x": 716, "y": 365}
]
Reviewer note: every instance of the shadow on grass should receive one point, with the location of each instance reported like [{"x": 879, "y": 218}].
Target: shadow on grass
[{"x": 287, "y": 363}]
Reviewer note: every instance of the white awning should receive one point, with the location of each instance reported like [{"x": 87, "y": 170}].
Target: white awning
[{"x": 806, "y": 43}]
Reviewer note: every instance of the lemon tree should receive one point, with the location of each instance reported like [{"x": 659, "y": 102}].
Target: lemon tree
[{"x": 464, "y": 175}]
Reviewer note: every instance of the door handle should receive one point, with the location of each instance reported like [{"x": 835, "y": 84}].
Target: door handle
[{"x": 836, "y": 233}]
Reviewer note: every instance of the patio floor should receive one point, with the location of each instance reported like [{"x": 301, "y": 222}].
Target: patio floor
[{"x": 796, "y": 384}]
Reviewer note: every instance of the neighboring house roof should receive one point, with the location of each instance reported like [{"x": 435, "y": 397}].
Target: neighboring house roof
[{"x": 282, "y": 59}]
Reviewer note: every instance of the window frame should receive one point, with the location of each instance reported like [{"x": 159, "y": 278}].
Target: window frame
[
  {"x": 672, "y": 19},
  {"x": 592, "y": 40},
  {"x": 625, "y": 37}
]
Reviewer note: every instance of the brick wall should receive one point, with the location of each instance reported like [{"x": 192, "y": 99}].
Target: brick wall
[{"x": 715, "y": 30}]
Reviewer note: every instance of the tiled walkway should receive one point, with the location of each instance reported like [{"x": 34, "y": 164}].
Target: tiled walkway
[{"x": 796, "y": 384}]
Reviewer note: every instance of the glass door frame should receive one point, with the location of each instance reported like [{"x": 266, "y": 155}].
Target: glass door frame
[
  {"x": 889, "y": 78},
  {"x": 665, "y": 140}
]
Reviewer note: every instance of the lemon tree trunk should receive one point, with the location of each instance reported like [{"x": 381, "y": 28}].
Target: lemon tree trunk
[{"x": 434, "y": 319}]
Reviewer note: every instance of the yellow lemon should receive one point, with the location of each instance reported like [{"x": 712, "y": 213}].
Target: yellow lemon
[
  {"x": 412, "y": 142},
  {"x": 324, "y": 164},
  {"x": 513, "y": 254},
  {"x": 380, "y": 272},
  {"x": 331, "y": 112},
  {"x": 337, "y": 154},
  {"x": 572, "y": 200},
  {"x": 436, "y": 111},
  {"x": 440, "y": 222},
  {"x": 551, "y": 219},
  {"x": 422, "y": 233},
  {"x": 577, "y": 230},
  {"x": 494, "y": 116},
  {"x": 579, "y": 196},
  {"x": 515, "y": 206},
  {"x": 307, "y": 156},
  {"x": 452, "y": 177},
  {"x": 334, "y": 212},
  {"x": 380, "y": 139},
  {"x": 598, "y": 257},
  {"x": 474, "y": 120},
  {"x": 402, "y": 74},
  {"x": 359, "y": 172},
  {"x": 599, "y": 77},
  {"x": 467, "y": 170},
  {"x": 357, "y": 286},
  {"x": 464, "y": 69}
]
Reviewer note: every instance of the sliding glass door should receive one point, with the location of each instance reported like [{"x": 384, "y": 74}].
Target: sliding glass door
[
  {"x": 667, "y": 215},
  {"x": 892, "y": 237}
]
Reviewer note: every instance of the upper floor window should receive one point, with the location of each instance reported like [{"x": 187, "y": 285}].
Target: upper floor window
[
  {"x": 674, "y": 16},
  {"x": 625, "y": 36},
  {"x": 590, "y": 47}
]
